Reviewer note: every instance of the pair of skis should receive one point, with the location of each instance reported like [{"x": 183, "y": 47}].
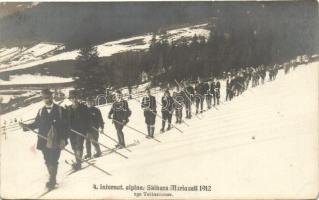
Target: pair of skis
[
  {"x": 94, "y": 159},
  {"x": 91, "y": 160}
]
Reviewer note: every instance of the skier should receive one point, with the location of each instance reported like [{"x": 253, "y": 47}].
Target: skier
[
  {"x": 178, "y": 99},
  {"x": 208, "y": 95},
  {"x": 189, "y": 98},
  {"x": 199, "y": 95},
  {"x": 232, "y": 87},
  {"x": 120, "y": 114},
  {"x": 228, "y": 89},
  {"x": 263, "y": 74},
  {"x": 79, "y": 121},
  {"x": 212, "y": 91},
  {"x": 51, "y": 122},
  {"x": 149, "y": 106},
  {"x": 276, "y": 71},
  {"x": 97, "y": 124},
  {"x": 286, "y": 67},
  {"x": 236, "y": 84},
  {"x": 167, "y": 110},
  {"x": 217, "y": 92}
]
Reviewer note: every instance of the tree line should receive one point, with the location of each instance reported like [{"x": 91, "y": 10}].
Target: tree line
[{"x": 240, "y": 35}]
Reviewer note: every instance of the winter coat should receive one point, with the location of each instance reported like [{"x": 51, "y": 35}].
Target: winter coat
[
  {"x": 178, "y": 99},
  {"x": 190, "y": 93},
  {"x": 54, "y": 121},
  {"x": 96, "y": 117},
  {"x": 206, "y": 88},
  {"x": 120, "y": 111},
  {"x": 167, "y": 104},
  {"x": 200, "y": 89},
  {"x": 79, "y": 118},
  {"x": 212, "y": 88},
  {"x": 149, "y": 103}
]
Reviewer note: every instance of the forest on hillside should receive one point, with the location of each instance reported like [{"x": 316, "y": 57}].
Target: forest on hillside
[{"x": 241, "y": 35}]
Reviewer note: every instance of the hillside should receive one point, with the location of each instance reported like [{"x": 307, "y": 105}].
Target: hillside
[{"x": 267, "y": 135}]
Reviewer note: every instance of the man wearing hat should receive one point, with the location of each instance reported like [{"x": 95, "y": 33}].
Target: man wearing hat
[
  {"x": 79, "y": 121},
  {"x": 120, "y": 114},
  {"x": 96, "y": 124},
  {"x": 51, "y": 122}
]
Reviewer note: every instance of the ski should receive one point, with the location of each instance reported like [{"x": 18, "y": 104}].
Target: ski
[
  {"x": 93, "y": 159},
  {"x": 46, "y": 192},
  {"x": 72, "y": 171}
]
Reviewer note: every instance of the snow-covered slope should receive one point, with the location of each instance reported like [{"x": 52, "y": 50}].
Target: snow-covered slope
[
  {"x": 262, "y": 144},
  {"x": 12, "y": 57},
  {"x": 22, "y": 57},
  {"x": 34, "y": 79}
]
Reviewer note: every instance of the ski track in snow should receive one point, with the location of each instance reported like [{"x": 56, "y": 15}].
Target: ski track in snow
[{"x": 217, "y": 150}]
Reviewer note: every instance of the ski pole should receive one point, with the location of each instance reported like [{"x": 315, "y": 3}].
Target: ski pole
[
  {"x": 74, "y": 131},
  {"x": 188, "y": 96},
  {"x": 160, "y": 116},
  {"x": 68, "y": 151},
  {"x": 134, "y": 129},
  {"x": 111, "y": 139},
  {"x": 173, "y": 124}
]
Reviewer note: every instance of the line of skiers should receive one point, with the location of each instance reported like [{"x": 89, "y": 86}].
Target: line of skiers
[{"x": 81, "y": 122}]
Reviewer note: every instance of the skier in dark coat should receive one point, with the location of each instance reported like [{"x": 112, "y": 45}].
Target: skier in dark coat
[
  {"x": 263, "y": 74},
  {"x": 208, "y": 95},
  {"x": 199, "y": 96},
  {"x": 149, "y": 106},
  {"x": 178, "y": 98},
  {"x": 51, "y": 122},
  {"x": 167, "y": 110},
  {"x": 228, "y": 89},
  {"x": 120, "y": 114},
  {"x": 212, "y": 91},
  {"x": 217, "y": 92},
  {"x": 189, "y": 98},
  {"x": 96, "y": 125},
  {"x": 79, "y": 121},
  {"x": 232, "y": 87}
]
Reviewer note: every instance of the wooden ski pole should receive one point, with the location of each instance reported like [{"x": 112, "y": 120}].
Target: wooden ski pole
[
  {"x": 112, "y": 139},
  {"x": 76, "y": 132},
  {"x": 134, "y": 129}
]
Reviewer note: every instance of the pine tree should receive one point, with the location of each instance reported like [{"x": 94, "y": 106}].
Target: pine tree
[{"x": 90, "y": 75}]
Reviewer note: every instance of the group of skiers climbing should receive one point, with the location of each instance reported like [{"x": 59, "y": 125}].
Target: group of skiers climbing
[{"x": 82, "y": 122}]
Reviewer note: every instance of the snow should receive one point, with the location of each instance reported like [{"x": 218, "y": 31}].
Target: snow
[
  {"x": 6, "y": 98},
  {"x": 19, "y": 58},
  {"x": 22, "y": 58},
  {"x": 217, "y": 150},
  {"x": 7, "y": 54},
  {"x": 34, "y": 79},
  {"x": 199, "y": 30},
  {"x": 113, "y": 47},
  {"x": 42, "y": 48}
]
